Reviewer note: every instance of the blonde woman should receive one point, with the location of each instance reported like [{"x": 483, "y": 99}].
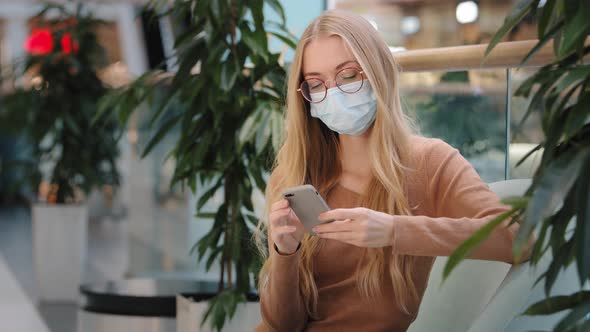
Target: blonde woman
[{"x": 399, "y": 200}]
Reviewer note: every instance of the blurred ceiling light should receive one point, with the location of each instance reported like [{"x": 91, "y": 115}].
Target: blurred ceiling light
[
  {"x": 394, "y": 49},
  {"x": 374, "y": 24},
  {"x": 36, "y": 82},
  {"x": 116, "y": 75},
  {"x": 410, "y": 25},
  {"x": 371, "y": 20},
  {"x": 467, "y": 12}
]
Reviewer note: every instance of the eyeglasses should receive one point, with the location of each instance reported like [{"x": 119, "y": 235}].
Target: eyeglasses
[{"x": 347, "y": 80}]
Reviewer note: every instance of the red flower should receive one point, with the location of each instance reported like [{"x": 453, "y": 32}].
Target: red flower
[
  {"x": 69, "y": 45},
  {"x": 40, "y": 42}
]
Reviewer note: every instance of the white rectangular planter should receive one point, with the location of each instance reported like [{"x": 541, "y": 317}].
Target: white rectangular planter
[
  {"x": 59, "y": 250},
  {"x": 189, "y": 315},
  {"x": 95, "y": 322}
]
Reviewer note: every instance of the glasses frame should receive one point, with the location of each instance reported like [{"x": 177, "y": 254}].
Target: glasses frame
[{"x": 336, "y": 83}]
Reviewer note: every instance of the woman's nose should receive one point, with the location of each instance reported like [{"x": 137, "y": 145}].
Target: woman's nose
[{"x": 331, "y": 84}]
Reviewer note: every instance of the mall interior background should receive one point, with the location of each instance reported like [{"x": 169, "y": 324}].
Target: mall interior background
[{"x": 146, "y": 228}]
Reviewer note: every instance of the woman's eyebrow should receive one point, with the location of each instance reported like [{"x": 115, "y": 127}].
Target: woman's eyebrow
[{"x": 340, "y": 66}]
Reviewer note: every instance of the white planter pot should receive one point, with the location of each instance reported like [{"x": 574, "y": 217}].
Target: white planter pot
[
  {"x": 189, "y": 315},
  {"x": 93, "y": 322},
  {"x": 59, "y": 250}
]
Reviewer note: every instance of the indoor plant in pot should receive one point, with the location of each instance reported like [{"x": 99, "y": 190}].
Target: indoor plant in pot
[
  {"x": 69, "y": 155},
  {"x": 557, "y": 204},
  {"x": 225, "y": 98}
]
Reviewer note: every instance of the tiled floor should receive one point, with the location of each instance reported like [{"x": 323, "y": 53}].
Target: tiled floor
[
  {"x": 152, "y": 236},
  {"x": 112, "y": 253},
  {"x": 151, "y": 240}
]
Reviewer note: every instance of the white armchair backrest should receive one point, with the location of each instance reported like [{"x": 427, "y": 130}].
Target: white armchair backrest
[
  {"x": 516, "y": 293},
  {"x": 456, "y": 304}
]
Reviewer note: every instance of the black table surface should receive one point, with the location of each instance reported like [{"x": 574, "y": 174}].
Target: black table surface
[
  {"x": 149, "y": 287},
  {"x": 144, "y": 297}
]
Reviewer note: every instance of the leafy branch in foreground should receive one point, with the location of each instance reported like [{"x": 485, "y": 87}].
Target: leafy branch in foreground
[{"x": 557, "y": 204}]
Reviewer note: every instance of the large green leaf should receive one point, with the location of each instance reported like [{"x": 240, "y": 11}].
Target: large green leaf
[
  {"x": 284, "y": 39},
  {"x": 575, "y": 317},
  {"x": 164, "y": 129},
  {"x": 561, "y": 259},
  {"x": 263, "y": 132},
  {"x": 576, "y": 30},
  {"x": 545, "y": 20},
  {"x": 276, "y": 125},
  {"x": 574, "y": 75},
  {"x": 208, "y": 194},
  {"x": 465, "y": 249},
  {"x": 546, "y": 38},
  {"x": 255, "y": 40},
  {"x": 556, "y": 304},
  {"x": 582, "y": 233},
  {"x": 540, "y": 246},
  {"x": 213, "y": 255},
  {"x": 554, "y": 183},
  {"x": 278, "y": 8},
  {"x": 528, "y": 154},
  {"x": 518, "y": 12},
  {"x": 578, "y": 116},
  {"x": 256, "y": 7},
  {"x": 229, "y": 73},
  {"x": 248, "y": 131}
]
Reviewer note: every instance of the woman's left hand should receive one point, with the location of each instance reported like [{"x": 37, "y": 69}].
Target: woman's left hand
[{"x": 361, "y": 227}]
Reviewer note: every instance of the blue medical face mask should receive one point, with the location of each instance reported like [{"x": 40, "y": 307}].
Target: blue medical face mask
[{"x": 347, "y": 113}]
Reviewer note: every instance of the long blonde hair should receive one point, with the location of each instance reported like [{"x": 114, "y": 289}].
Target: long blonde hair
[{"x": 309, "y": 154}]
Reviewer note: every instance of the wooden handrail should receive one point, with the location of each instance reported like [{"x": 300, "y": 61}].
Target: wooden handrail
[{"x": 504, "y": 55}]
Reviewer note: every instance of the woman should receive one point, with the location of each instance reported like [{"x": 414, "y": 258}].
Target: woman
[{"x": 399, "y": 200}]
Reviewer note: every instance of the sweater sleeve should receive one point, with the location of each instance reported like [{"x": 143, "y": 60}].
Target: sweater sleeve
[
  {"x": 281, "y": 303},
  {"x": 461, "y": 204}
]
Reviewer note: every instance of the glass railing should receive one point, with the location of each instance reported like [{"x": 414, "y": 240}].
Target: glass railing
[
  {"x": 466, "y": 109},
  {"x": 456, "y": 96}
]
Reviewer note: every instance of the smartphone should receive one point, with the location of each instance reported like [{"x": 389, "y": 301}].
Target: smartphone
[{"x": 307, "y": 204}]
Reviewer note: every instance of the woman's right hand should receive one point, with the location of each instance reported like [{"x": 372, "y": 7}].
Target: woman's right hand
[{"x": 286, "y": 229}]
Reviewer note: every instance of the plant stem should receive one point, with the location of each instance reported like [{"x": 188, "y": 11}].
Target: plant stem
[
  {"x": 229, "y": 229},
  {"x": 226, "y": 238}
]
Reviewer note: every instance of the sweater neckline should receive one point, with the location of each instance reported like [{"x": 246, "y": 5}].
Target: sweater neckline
[{"x": 347, "y": 189}]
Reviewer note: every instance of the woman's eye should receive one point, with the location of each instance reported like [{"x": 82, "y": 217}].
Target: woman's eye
[{"x": 315, "y": 87}]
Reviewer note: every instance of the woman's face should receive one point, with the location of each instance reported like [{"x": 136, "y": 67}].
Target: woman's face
[{"x": 324, "y": 57}]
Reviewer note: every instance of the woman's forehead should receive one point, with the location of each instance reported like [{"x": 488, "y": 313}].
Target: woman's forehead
[{"x": 324, "y": 54}]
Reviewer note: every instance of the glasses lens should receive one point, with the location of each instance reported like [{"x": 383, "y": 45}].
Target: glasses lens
[
  {"x": 313, "y": 89},
  {"x": 349, "y": 80}
]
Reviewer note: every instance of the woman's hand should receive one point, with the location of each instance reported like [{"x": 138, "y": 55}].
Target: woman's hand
[
  {"x": 359, "y": 226},
  {"x": 286, "y": 230}
]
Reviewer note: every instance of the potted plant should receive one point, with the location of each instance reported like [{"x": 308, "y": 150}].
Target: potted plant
[
  {"x": 225, "y": 98},
  {"x": 558, "y": 201},
  {"x": 68, "y": 155}
]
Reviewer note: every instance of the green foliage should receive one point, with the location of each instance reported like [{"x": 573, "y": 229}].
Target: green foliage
[
  {"x": 467, "y": 247},
  {"x": 559, "y": 195},
  {"x": 228, "y": 90},
  {"x": 55, "y": 114},
  {"x": 464, "y": 121}
]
